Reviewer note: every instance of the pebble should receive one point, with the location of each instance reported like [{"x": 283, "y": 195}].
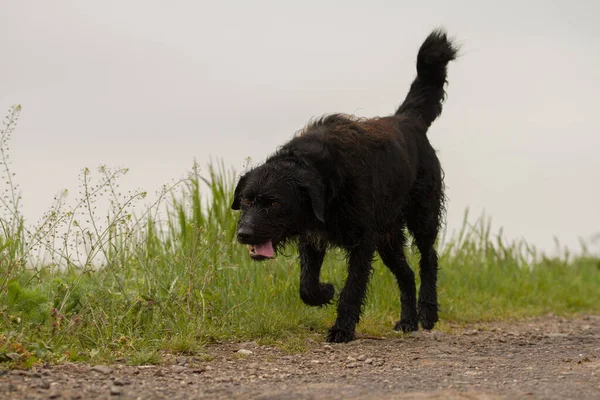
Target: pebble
[
  {"x": 369, "y": 361},
  {"x": 245, "y": 352},
  {"x": 102, "y": 369},
  {"x": 178, "y": 369},
  {"x": 361, "y": 357},
  {"x": 20, "y": 372},
  {"x": 44, "y": 384},
  {"x": 353, "y": 364},
  {"x": 115, "y": 390},
  {"x": 556, "y": 335},
  {"x": 121, "y": 382}
]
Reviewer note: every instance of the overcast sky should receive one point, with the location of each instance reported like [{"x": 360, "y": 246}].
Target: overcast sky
[{"x": 151, "y": 85}]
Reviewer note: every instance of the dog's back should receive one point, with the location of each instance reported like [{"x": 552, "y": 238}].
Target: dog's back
[{"x": 373, "y": 164}]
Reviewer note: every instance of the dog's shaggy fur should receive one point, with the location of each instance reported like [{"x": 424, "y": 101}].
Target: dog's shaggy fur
[{"x": 357, "y": 184}]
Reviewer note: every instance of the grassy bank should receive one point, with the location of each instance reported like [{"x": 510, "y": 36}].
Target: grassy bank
[{"x": 119, "y": 281}]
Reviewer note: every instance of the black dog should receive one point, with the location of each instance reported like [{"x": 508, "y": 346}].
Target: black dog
[{"x": 356, "y": 184}]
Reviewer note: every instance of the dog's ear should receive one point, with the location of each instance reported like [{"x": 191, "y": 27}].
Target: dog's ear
[
  {"x": 316, "y": 193},
  {"x": 236, "y": 194}
]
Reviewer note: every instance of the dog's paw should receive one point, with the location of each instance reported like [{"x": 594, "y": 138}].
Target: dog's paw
[
  {"x": 406, "y": 326},
  {"x": 319, "y": 297},
  {"x": 337, "y": 335},
  {"x": 428, "y": 315}
]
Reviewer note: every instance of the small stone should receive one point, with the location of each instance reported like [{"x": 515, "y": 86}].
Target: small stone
[
  {"x": 315, "y": 361},
  {"x": 350, "y": 358},
  {"x": 178, "y": 369},
  {"x": 328, "y": 347},
  {"x": 115, "y": 390},
  {"x": 369, "y": 361},
  {"x": 159, "y": 372},
  {"x": 19, "y": 372},
  {"x": 121, "y": 382},
  {"x": 102, "y": 369},
  {"x": 54, "y": 395},
  {"x": 244, "y": 352},
  {"x": 198, "y": 370},
  {"x": 44, "y": 384},
  {"x": 556, "y": 335},
  {"x": 473, "y": 372},
  {"x": 361, "y": 357},
  {"x": 353, "y": 364}
]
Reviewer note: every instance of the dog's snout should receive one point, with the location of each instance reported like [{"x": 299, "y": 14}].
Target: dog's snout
[{"x": 244, "y": 233}]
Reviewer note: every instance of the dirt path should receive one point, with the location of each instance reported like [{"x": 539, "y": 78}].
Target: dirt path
[{"x": 543, "y": 358}]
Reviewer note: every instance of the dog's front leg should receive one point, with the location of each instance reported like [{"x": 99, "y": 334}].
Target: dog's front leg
[
  {"x": 313, "y": 292},
  {"x": 352, "y": 295}
]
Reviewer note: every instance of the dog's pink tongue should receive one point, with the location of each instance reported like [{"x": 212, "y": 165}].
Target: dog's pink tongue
[{"x": 265, "y": 249}]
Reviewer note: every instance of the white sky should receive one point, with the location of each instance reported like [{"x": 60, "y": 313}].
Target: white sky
[{"x": 151, "y": 85}]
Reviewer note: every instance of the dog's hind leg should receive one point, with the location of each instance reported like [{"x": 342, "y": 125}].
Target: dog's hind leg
[
  {"x": 423, "y": 223},
  {"x": 360, "y": 260},
  {"x": 391, "y": 250},
  {"x": 312, "y": 292}
]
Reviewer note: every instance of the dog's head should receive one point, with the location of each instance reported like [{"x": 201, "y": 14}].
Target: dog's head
[{"x": 278, "y": 201}]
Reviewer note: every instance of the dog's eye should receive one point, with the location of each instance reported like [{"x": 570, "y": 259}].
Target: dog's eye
[
  {"x": 247, "y": 201},
  {"x": 276, "y": 204}
]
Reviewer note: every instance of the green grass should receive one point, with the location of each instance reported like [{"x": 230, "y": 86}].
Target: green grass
[{"x": 131, "y": 282}]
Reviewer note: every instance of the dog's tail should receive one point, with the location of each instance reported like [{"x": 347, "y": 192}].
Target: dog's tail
[{"x": 426, "y": 94}]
